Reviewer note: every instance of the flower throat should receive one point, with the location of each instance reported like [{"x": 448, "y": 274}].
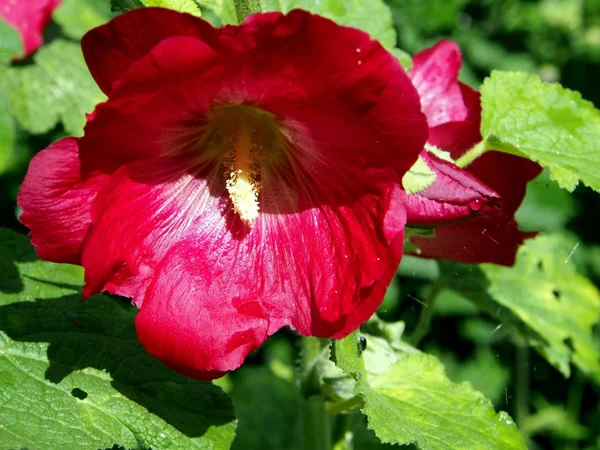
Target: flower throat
[{"x": 248, "y": 140}]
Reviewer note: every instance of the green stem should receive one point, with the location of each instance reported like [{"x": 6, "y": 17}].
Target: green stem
[
  {"x": 426, "y": 315},
  {"x": 317, "y": 428},
  {"x": 243, "y": 8},
  {"x": 522, "y": 384},
  {"x": 472, "y": 154},
  {"x": 346, "y": 406},
  {"x": 315, "y": 420}
]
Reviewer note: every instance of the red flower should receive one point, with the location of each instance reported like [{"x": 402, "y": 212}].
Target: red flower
[
  {"x": 487, "y": 193},
  {"x": 30, "y": 17},
  {"x": 237, "y": 180}
]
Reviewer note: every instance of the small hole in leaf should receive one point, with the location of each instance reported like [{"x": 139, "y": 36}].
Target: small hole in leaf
[
  {"x": 78, "y": 393},
  {"x": 540, "y": 265},
  {"x": 556, "y": 294},
  {"x": 569, "y": 343}
]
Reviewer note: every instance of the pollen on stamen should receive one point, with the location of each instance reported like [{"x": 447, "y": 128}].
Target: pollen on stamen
[
  {"x": 243, "y": 167},
  {"x": 243, "y": 192}
]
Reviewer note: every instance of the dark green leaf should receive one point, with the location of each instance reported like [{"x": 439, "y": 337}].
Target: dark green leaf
[{"x": 74, "y": 375}]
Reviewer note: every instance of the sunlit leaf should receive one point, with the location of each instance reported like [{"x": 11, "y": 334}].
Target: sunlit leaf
[
  {"x": 74, "y": 375},
  {"x": 10, "y": 42},
  {"x": 58, "y": 87},
  {"x": 545, "y": 291},
  {"x": 413, "y": 402},
  {"x": 77, "y": 17},
  {"x": 544, "y": 122}
]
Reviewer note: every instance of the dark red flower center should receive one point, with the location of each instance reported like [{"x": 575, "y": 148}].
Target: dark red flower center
[{"x": 247, "y": 141}]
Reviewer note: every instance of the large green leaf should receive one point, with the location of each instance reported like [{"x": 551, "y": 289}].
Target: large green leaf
[
  {"x": 10, "y": 42},
  {"x": 546, "y": 293},
  {"x": 7, "y": 139},
  {"x": 77, "y": 17},
  {"x": 186, "y": 6},
  {"x": 414, "y": 402},
  {"x": 223, "y": 9},
  {"x": 544, "y": 122},
  {"x": 58, "y": 87},
  {"x": 411, "y": 401},
  {"x": 373, "y": 16},
  {"x": 74, "y": 376}
]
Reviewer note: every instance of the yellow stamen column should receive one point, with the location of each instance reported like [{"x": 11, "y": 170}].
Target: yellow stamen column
[{"x": 244, "y": 167}]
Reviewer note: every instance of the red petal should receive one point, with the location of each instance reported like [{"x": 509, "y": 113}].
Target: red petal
[
  {"x": 148, "y": 205},
  {"x": 56, "y": 202},
  {"x": 159, "y": 108},
  {"x": 435, "y": 75},
  {"x": 30, "y": 18},
  {"x": 336, "y": 90},
  {"x": 111, "y": 49},
  {"x": 492, "y": 238},
  {"x": 196, "y": 320},
  {"x": 218, "y": 294},
  {"x": 458, "y": 137},
  {"x": 506, "y": 174},
  {"x": 269, "y": 62},
  {"x": 454, "y": 195}
]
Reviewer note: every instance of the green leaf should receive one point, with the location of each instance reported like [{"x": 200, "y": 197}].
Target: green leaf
[
  {"x": 544, "y": 122},
  {"x": 546, "y": 293},
  {"x": 268, "y": 411},
  {"x": 418, "y": 178},
  {"x": 372, "y": 16},
  {"x": 484, "y": 370},
  {"x": 185, "y": 6},
  {"x": 223, "y": 9},
  {"x": 77, "y": 17},
  {"x": 7, "y": 139},
  {"x": 346, "y": 355},
  {"x": 58, "y": 87},
  {"x": 10, "y": 42},
  {"x": 409, "y": 400},
  {"x": 125, "y": 5},
  {"x": 74, "y": 375},
  {"x": 414, "y": 402},
  {"x": 546, "y": 207}
]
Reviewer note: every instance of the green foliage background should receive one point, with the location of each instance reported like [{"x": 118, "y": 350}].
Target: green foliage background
[{"x": 538, "y": 361}]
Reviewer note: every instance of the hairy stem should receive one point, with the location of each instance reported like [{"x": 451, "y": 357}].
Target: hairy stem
[
  {"x": 315, "y": 420},
  {"x": 426, "y": 315},
  {"x": 522, "y": 383},
  {"x": 472, "y": 154}
]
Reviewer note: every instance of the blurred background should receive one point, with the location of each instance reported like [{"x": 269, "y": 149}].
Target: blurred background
[{"x": 557, "y": 39}]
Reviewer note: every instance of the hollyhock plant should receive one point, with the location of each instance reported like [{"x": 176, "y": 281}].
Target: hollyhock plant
[
  {"x": 30, "y": 18},
  {"x": 473, "y": 209},
  {"x": 236, "y": 180}
]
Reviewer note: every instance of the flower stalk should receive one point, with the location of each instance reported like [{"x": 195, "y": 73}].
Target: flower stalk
[
  {"x": 315, "y": 419},
  {"x": 471, "y": 155}
]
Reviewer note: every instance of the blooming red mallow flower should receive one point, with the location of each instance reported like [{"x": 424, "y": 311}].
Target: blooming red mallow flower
[
  {"x": 30, "y": 17},
  {"x": 236, "y": 180},
  {"x": 487, "y": 193}
]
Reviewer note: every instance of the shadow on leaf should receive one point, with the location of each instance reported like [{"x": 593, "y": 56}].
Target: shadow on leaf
[
  {"x": 99, "y": 333},
  {"x": 10, "y": 282}
]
